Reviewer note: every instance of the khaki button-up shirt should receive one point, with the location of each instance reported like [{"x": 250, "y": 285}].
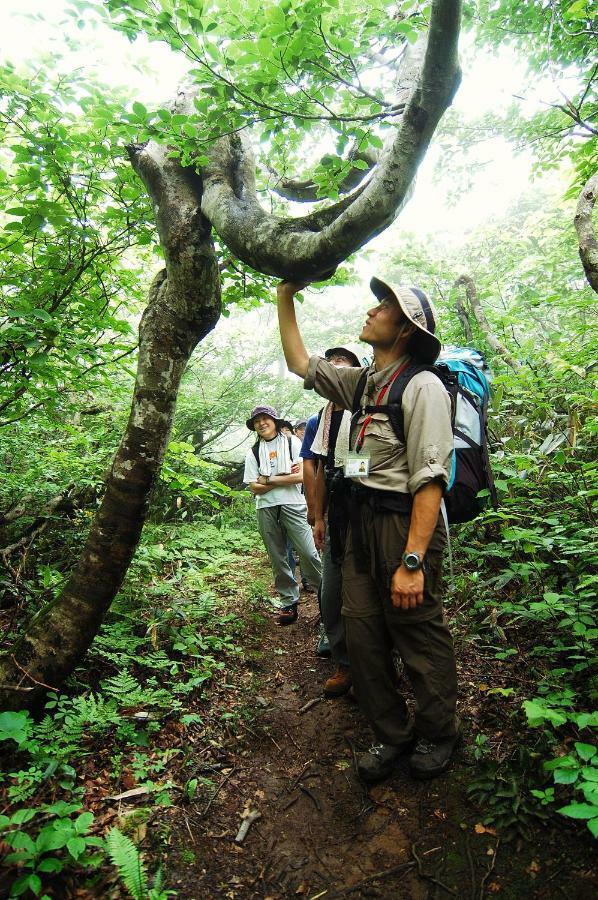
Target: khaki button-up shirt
[{"x": 427, "y": 454}]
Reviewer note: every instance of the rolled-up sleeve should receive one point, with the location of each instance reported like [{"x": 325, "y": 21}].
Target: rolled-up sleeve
[
  {"x": 338, "y": 385},
  {"x": 428, "y": 432}
]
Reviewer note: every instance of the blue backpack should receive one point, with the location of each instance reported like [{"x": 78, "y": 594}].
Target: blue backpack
[{"x": 463, "y": 373}]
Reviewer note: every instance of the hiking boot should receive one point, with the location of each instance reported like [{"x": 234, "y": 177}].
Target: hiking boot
[
  {"x": 432, "y": 758},
  {"x": 307, "y": 587},
  {"x": 323, "y": 645},
  {"x": 379, "y": 761},
  {"x": 287, "y": 616},
  {"x": 339, "y": 683}
]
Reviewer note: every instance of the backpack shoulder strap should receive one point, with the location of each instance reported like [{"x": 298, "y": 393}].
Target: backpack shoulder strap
[
  {"x": 395, "y": 397},
  {"x": 356, "y": 405}
]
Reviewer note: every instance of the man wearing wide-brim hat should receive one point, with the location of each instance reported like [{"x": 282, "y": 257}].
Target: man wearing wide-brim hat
[
  {"x": 391, "y": 571},
  {"x": 274, "y": 474}
]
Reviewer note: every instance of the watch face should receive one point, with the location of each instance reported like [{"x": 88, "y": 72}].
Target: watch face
[{"x": 412, "y": 561}]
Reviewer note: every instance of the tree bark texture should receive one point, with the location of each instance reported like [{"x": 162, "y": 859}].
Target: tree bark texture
[
  {"x": 312, "y": 246},
  {"x": 588, "y": 244},
  {"x": 480, "y": 316},
  {"x": 184, "y": 305},
  {"x": 464, "y": 320}
]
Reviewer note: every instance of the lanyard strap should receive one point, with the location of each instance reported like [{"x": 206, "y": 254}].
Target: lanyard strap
[{"x": 381, "y": 395}]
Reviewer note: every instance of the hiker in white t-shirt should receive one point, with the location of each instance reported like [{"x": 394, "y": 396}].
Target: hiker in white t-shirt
[{"x": 274, "y": 474}]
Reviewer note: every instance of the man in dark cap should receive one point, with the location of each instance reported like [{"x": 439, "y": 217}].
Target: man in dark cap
[
  {"x": 393, "y": 554},
  {"x": 274, "y": 473}
]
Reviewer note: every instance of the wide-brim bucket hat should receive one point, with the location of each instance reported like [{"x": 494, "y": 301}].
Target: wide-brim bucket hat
[
  {"x": 263, "y": 411},
  {"x": 418, "y": 308},
  {"x": 343, "y": 351}
]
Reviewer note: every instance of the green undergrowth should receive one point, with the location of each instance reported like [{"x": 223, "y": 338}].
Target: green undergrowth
[
  {"x": 133, "y": 717},
  {"x": 525, "y": 599}
]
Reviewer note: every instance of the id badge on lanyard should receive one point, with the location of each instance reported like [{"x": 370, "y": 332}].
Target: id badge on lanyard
[{"x": 357, "y": 465}]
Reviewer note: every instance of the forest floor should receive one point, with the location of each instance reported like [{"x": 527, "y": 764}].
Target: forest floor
[{"x": 321, "y": 833}]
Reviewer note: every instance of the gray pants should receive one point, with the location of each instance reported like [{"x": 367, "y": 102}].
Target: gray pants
[
  {"x": 331, "y": 601},
  {"x": 275, "y": 524}
]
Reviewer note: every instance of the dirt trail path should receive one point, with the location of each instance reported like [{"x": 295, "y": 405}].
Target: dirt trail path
[{"x": 321, "y": 832}]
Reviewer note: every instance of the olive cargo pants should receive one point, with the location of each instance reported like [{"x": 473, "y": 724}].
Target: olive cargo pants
[{"x": 373, "y": 627}]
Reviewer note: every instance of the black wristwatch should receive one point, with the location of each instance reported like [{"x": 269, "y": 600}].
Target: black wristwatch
[{"x": 413, "y": 561}]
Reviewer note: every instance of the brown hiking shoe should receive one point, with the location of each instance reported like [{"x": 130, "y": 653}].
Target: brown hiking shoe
[{"x": 339, "y": 683}]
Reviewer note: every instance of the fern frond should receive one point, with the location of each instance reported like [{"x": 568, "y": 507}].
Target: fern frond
[{"x": 127, "y": 859}]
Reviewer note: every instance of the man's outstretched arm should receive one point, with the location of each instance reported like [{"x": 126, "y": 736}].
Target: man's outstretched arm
[{"x": 295, "y": 353}]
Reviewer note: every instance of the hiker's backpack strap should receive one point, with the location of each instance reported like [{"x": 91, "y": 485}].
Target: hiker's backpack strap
[
  {"x": 256, "y": 450},
  {"x": 486, "y": 455},
  {"x": 356, "y": 405},
  {"x": 357, "y": 396},
  {"x": 394, "y": 407}
]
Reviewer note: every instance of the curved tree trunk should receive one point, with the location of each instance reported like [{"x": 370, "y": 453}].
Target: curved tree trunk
[
  {"x": 588, "y": 244},
  {"x": 184, "y": 305},
  {"x": 484, "y": 325}
]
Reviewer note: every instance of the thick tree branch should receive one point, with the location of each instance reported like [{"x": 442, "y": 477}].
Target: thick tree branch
[
  {"x": 476, "y": 307},
  {"x": 588, "y": 244},
  {"x": 464, "y": 319},
  {"x": 311, "y": 247}
]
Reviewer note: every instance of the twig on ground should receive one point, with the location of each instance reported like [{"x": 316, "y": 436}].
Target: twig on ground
[
  {"x": 290, "y": 802},
  {"x": 266, "y": 732},
  {"x": 246, "y": 824},
  {"x": 427, "y": 877},
  {"x": 311, "y": 796},
  {"x": 309, "y": 705},
  {"x": 14, "y": 687},
  {"x": 217, "y": 791},
  {"x": 298, "y": 777},
  {"x": 490, "y": 870},
  {"x": 30, "y": 677},
  {"x": 189, "y": 828},
  {"x": 353, "y": 751},
  {"x": 290, "y": 736}
]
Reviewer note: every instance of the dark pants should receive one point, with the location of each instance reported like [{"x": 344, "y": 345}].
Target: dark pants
[
  {"x": 330, "y": 605},
  {"x": 374, "y": 627}
]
